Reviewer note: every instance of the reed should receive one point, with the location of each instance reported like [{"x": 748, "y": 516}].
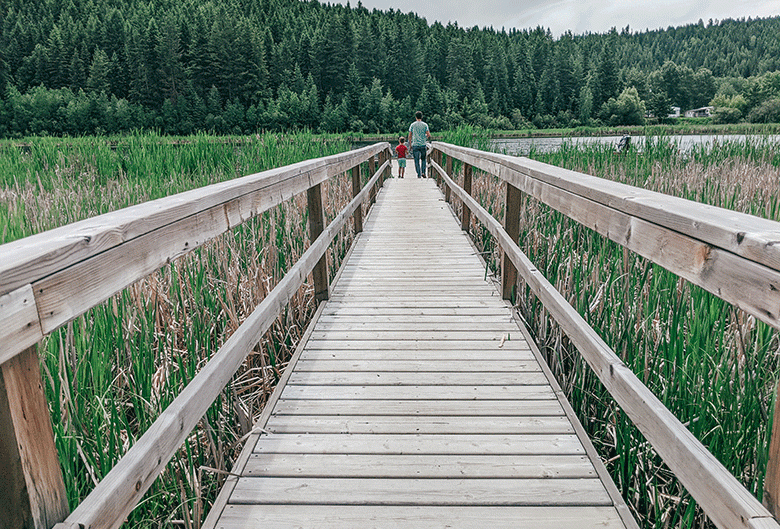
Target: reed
[
  {"x": 109, "y": 373},
  {"x": 711, "y": 364}
]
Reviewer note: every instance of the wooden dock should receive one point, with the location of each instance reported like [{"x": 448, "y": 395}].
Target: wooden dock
[{"x": 416, "y": 401}]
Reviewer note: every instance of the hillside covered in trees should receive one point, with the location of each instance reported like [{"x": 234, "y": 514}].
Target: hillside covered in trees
[{"x": 237, "y": 66}]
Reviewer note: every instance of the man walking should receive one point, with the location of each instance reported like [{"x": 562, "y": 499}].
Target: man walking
[{"x": 418, "y": 133}]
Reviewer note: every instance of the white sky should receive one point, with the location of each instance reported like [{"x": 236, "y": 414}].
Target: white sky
[{"x": 579, "y": 16}]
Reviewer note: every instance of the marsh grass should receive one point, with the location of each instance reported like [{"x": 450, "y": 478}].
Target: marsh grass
[
  {"x": 109, "y": 373},
  {"x": 712, "y": 365}
]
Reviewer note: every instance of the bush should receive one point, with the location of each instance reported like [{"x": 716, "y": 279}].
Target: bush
[{"x": 726, "y": 115}]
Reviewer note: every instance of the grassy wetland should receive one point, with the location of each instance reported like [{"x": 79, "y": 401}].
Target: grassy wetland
[
  {"x": 711, "y": 364},
  {"x": 110, "y": 372}
]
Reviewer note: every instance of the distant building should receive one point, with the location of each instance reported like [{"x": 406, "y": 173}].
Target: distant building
[
  {"x": 703, "y": 112},
  {"x": 675, "y": 113}
]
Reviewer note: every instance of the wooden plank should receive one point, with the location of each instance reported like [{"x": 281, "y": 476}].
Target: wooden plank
[
  {"x": 357, "y": 217},
  {"x": 338, "y": 309},
  {"x": 348, "y": 325},
  {"x": 772, "y": 477},
  {"x": 496, "y": 336},
  {"x": 430, "y": 517},
  {"x": 433, "y": 408},
  {"x": 719, "y": 493},
  {"x": 512, "y": 209},
  {"x": 406, "y": 424},
  {"x": 419, "y": 466},
  {"x": 358, "y": 319},
  {"x": 479, "y": 444},
  {"x": 20, "y": 328},
  {"x": 472, "y": 358},
  {"x": 480, "y": 392},
  {"x": 439, "y": 366},
  {"x": 514, "y": 343},
  {"x": 413, "y": 379},
  {"x": 316, "y": 225},
  {"x": 112, "y": 499},
  {"x": 361, "y": 491},
  {"x": 33, "y": 493}
]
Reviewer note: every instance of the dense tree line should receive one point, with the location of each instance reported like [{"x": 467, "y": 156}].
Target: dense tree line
[{"x": 234, "y": 66}]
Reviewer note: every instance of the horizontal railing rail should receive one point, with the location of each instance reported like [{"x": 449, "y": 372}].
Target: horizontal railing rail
[
  {"x": 632, "y": 217},
  {"x": 49, "y": 279}
]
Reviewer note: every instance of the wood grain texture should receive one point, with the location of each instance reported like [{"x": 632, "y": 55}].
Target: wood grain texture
[{"x": 20, "y": 327}]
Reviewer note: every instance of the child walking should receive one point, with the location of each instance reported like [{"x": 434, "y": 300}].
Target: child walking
[{"x": 401, "y": 150}]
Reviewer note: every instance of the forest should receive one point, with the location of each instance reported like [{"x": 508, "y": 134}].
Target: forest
[{"x": 83, "y": 67}]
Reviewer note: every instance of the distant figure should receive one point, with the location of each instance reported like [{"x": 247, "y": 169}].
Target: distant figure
[
  {"x": 624, "y": 144},
  {"x": 401, "y": 150},
  {"x": 418, "y": 133}
]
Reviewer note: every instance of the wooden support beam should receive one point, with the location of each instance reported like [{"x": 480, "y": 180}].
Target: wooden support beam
[
  {"x": 465, "y": 218},
  {"x": 358, "y": 216},
  {"x": 512, "y": 228},
  {"x": 371, "y": 171},
  {"x": 316, "y": 225},
  {"x": 437, "y": 156},
  {"x": 448, "y": 170},
  {"x": 772, "y": 478},
  {"x": 33, "y": 492}
]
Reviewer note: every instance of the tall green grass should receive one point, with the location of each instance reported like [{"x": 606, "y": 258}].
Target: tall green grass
[
  {"x": 109, "y": 373},
  {"x": 711, "y": 364}
]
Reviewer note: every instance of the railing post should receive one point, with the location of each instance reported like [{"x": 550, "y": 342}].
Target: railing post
[
  {"x": 448, "y": 170},
  {"x": 358, "y": 215},
  {"x": 466, "y": 212},
  {"x": 32, "y": 495},
  {"x": 512, "y": 227},
  {"x": 371, "y": 171},
  {"x": 772, "y": 478},
  {"x": 437, "y": 154},
  {"x": 316, "y": 225}
]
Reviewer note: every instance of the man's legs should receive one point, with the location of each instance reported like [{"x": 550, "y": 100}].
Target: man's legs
[{"x": 418, "y": 152}]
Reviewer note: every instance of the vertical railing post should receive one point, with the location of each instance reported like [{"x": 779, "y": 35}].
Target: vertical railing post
[
  {"x": 448, "y": 170},
  {"x": 389, "y": 170},
  {"x": 316, "y": 225},
  {"x": 371, "y": 171},
  {"x": 381, "y": 158},
  {"x": 32, "y": 495},
  {"x": 357, "y": 217},
  {"x": 512, "y": 227},
  {"x": 772, "y": 478},
  {"x": 466, "y": 212},
  {"x": 438, "y": 162}
]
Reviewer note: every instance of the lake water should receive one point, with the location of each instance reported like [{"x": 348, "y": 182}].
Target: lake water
[{"x": 523, "y": 146}]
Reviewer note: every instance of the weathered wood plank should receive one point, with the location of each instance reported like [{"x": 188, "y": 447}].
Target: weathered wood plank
[
  {"x": 514, "y": 343},
  {"x": 316, "y": 212},
  {"x": 19, "y": 327},
  {"x": 33, "y": 493},
  {"x": 400, "y": 356},
  {"x": 405, "y": 424},
  {"x": 413, "y": 379},
  {"x": 479, "y": 444},
  {"x": 544, "y": 392},
  {"x": 419, "y": 466},
  {"x": 360, "y": 491},
  {"x": 496, "y": 336},
  {"x": 392, "y": 366},
  {"x": 397, "y": 517},
  {"x": 433, "y": 408}
]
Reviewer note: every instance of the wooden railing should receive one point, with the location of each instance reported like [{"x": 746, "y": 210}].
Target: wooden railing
[
  {"x": 48, "y": 279},
  {"x": 733, "y": 255}
]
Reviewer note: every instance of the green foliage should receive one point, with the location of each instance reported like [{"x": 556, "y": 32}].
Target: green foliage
[{"x": 168, "y": 60}]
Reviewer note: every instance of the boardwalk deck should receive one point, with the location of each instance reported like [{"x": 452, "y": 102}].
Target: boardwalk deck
[{"x": 416, "y": 401}]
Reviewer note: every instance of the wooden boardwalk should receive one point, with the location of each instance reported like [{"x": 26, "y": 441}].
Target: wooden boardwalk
[{"x": 416, "y": 400}]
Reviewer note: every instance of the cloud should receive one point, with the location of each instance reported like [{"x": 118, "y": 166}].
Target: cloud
[{"x": 579, "y": 16}]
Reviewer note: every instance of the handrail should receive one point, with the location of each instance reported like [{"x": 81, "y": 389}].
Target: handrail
[
  {"x": 50, "y": 278},
  {"x": 719, "y": 493},
  {"x": 119, "y": 491},
  {"x": 703, "y": 244}
]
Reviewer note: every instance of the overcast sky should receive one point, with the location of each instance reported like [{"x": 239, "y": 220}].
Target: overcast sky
[{"x": 579, "y": 16}]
